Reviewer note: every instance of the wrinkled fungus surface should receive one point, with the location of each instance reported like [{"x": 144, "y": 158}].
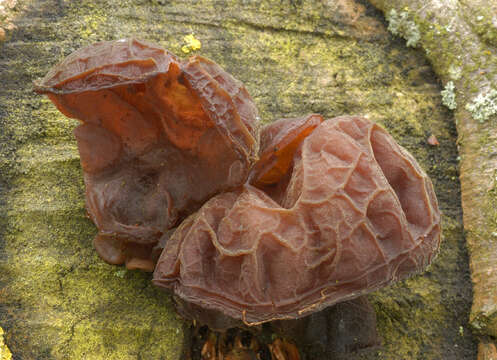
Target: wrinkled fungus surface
[
  {"x": 355, "y": 214},
  {"x": 158, "y": 138},
  {"x": 255, "y": 227}
]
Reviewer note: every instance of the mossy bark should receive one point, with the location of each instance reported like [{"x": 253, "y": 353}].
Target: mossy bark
[
  {"x": 60, "y": 301},
  {"x": 459, "y": 38}
]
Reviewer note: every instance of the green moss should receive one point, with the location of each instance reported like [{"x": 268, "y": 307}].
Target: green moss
[
  {"x": 403, "y": 334},
  {"x": 484, "y": 25},
  {"x": 82, "y": 309}
]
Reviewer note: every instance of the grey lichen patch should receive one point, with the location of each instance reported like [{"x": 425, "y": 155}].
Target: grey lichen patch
[
  {"x": 449, "y": 95},
  {"x": 483, "y": 106},
  {"x": 402, "y": 25},
  {"x": 455, "y": 72}
]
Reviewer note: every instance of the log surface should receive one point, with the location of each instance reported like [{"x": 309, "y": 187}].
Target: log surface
[{"x": 58, "y": 300}]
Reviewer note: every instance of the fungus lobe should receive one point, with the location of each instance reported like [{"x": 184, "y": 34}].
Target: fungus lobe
[
  {"x": 355, "y": 213},
  {"x": 158, "y": 138}
]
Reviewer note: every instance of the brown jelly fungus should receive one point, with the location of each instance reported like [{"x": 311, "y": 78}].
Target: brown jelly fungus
[
  {"x": 354, "y": 213},
  {"x": 158, "y": 138},
  {"x": 251, "y": 227}
]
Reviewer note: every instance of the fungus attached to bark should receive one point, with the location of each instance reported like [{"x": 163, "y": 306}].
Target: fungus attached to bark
[
  {"x": 355, "y": 213},
  {"x": 324, "y": 212},
  {"x": 158, "y": 138}
]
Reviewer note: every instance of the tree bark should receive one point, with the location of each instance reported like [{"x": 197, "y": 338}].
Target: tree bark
[{"x": 460, "y": 40}]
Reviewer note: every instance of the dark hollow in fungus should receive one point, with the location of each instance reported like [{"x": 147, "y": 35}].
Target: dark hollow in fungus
[
  {"x": 249, "y": 228},
  {"x": 159, "y": 137}
]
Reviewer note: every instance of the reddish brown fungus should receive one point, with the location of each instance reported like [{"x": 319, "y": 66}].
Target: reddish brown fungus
[
  {"x": 357, "y": 213},
  {"x": 332, "y": 209},
  {"x": 279, "y": 142},
  {"x": 158, "y": 138}
]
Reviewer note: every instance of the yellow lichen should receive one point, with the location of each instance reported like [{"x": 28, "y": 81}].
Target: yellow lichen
[
  {"x": 5, "y": 353},
  {"x": 191, "y": 44}
]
